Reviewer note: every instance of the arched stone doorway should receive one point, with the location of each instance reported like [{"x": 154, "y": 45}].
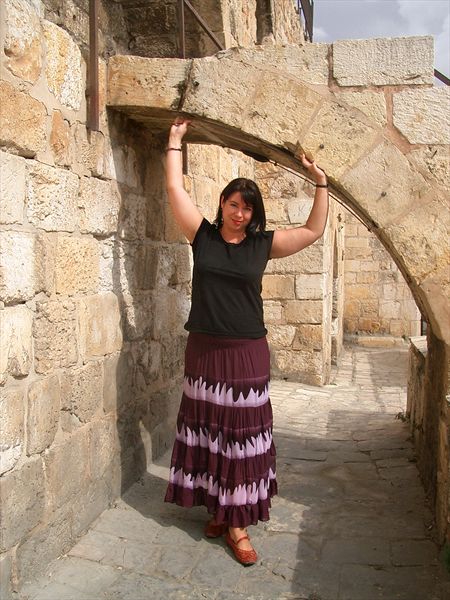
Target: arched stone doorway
[{"x": 253, "y": 101}]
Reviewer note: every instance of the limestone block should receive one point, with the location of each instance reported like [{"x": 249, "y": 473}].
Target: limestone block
[
  {"x": 147, "y": 265},
  {"x": 384, "y": 61},
  {"x": 137, "y": 319},
  {"x": 337, "y": 138},
  {"x": 19, "y": 280},
  {"x": 6, "y": 575},
  {"x": 99, "y": 204},
  {"x": 273, "y": 311},
  {"x": 60, "y": 139},
  {"x": 206, "y": 196},
  {"x": 99, "y": 323},
  {"x": 170, "y": 312},
  {"x": 22, "y": 44},
  {"x": 44, "y": 399},
  {"x": 121, "y": 164},
  {"x": 385, "y": 197},
  {"x": 298, "y": 209},
  {"x": 304, "y": 311},
  {"x": 204, "y": 161},
  {"x": 77, "y": 265},
  {"x": 114, "y": 371},
  {"x": 23, "y": 502},
  {"x": 16, "y": 354},
  {"x": 52, "y": 198},
  {"x": 275, "y": 183},
  {"x": 12, "y": 412},
  {"x": 433, "y": 163},
  {"x": 309, "y": 286},
  {"x": 277, "y": 287},
  {"x": 63, "y": 68},
  {"x": 23, "y": 121},
  {"x": 104, "y": 445},
  {"x": 309, "y": 62},
  {"x": 136, "y": 81},
  {"x": 86, "y": 150},
  {"x": 55, "y": 335},
  {"x": 280, "y": 336},
  {"x": 81, "y": 394},
  {"x": 67, "y": 468},
  {"x": 12, "y": 188},
  {"x": 428, "y": 249},
  {"x": 422, "y": 115},
  {"x": 132, "y": 217},
  {"x": 300, "y": 365},
  {"x": 309, "y": 260},
  {"x": 308, "y": 337},
  {"x": 390, "y": 309},
  {"x": 156, "y": 221},
  {"x": 372, "y": 104}
]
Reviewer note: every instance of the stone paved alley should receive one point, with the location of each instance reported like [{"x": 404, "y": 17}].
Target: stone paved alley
[{"x": 350, "y": 521}]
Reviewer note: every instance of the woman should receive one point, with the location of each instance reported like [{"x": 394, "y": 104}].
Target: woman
[{"x": 224, "y": 456}]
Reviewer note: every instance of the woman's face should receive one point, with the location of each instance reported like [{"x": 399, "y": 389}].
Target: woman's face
[{"x": 236, "y": 213}]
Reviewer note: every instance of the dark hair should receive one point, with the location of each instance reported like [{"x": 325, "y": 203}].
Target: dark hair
[{"x": 250, "y": 195}]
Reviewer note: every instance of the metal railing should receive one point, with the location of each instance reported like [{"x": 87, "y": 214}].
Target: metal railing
[{"x": 306, "y": 8}]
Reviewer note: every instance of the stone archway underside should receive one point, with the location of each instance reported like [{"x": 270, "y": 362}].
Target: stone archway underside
[{"x": 249, "y": 101}]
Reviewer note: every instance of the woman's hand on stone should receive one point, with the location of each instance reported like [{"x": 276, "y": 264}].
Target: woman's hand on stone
[
  {"x": 178, "y": 129},
  {"x": 315, "y": 171}
]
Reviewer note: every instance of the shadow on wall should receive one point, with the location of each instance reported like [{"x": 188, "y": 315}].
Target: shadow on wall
[{"x": 150, "y": 273}]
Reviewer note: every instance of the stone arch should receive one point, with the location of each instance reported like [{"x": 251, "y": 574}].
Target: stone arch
[{"x": 253, "y": 101}]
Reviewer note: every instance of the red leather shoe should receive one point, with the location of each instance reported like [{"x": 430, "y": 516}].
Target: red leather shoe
[
  {"x": 245, "y": 557},
  {"x": 213, "y": 530}
]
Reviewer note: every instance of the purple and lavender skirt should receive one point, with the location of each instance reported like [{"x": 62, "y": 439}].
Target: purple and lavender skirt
[{"x": 224, "y": 456}]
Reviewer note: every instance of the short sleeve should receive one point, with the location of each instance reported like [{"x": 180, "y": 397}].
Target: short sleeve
[{"x": 205, "y": 225}]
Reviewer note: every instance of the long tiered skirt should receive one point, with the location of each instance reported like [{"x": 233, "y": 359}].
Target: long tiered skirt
[{"x": 224, "y": 456}]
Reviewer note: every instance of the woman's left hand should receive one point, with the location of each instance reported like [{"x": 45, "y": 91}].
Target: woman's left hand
[{"x": 316, "y": 172}]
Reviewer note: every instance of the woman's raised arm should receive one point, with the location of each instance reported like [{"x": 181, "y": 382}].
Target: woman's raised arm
[
  {"x": 289, "y": 241},
  {"x": 184, "y": 210}
]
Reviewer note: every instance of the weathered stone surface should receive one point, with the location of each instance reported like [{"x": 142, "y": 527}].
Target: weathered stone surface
[
  {"x": 436, "y": 289},
  {"x": 16, "y": 354},
  {"x": 132, "y": 217},
  {"x": 63, "y": 69},
  {"x": 22, "y": 121},
  {"x": 23, "y": 502},
  {"x": 309, "y": 260},
  {"x": 23, "y": 42},
  {"x": 52, "y": 198},
  {"x": 432, "y": 163},
  {"x": 99, "y": 203},
  {"x": 12, "y": 188},
  {"x": 428, "y": 250},
  {"x": 19, "y": 279},
  {"x": 337, "y": 138},
  {"x": 392, "y": 61},
  {"x": 55, "y": 335},
  {"x": 12, "y": 412},
  {"x": 309, "y": 287},
  {"x": 138, "y": 318},
  {"x": 81, "y": 394},
  {"x": 121, "y": 165},
  {"x": 103, "y": 446},
  {"x": 6, "y": 575},
  {"x": 273, "y": 311},
  {"x": 304, "y": 311},
  {"x": 298, "y": 209},
  {"x": 372, "y": 104},
  {"x": 60, "y": 138},
  {"x": 86, "y": 151},
  {"x": 67, "y": 468},
  {"x": 306, "y": 366},
  {"x": 44, "y": 398},
  {"x": 77, "y": 265},
  {"x": 309, "y": 63},
  {"x": 308, "y": 337},
  {"x": 382, "y": 196},
  {"x": 277, "y": 287},
  {"x": 423, "y": 116},
  {"x": 148, "y": 82},
  {"x": 100, "y": 331},
  {"x": 280, "y": 336}
]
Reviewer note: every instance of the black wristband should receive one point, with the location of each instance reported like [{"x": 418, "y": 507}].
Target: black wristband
[
  {"x": 324, "y": 185},
  {"x": 178, "y": 149}
]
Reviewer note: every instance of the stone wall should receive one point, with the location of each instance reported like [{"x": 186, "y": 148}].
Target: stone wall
[{"x": 377, "y": 298}]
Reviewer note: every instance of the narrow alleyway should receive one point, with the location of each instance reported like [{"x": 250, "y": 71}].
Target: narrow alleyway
[{"x": 350, "y": 521}]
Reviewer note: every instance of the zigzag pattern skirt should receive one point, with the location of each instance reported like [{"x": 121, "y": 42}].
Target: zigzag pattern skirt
[{"x": 224, "y": 456}]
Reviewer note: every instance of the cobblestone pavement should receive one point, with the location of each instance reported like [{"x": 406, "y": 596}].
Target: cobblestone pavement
[{"x": 350, "y": 521}]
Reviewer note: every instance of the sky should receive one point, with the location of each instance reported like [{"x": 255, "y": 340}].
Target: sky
[{"x": 360, "y": 19}]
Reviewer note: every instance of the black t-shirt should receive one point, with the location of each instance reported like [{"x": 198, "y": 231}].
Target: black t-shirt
[{"x": 226, "y": 284}]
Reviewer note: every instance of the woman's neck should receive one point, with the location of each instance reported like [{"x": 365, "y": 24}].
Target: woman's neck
[{"x": 231, "y": 237}]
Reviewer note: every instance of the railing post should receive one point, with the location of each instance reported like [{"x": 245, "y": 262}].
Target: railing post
[{"x": 93, "y": 114}]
